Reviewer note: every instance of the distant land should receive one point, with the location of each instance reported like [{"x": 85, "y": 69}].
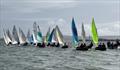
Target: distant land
[{"x": 101, "y": 38}]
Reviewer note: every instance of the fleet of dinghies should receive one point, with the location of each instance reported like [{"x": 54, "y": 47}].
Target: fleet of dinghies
[{"x": 55, "y": 38}]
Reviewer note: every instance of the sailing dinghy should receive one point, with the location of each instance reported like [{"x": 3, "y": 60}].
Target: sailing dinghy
[
  {"x": 95, "y": 36},
  {"x": 75, "y": 40},
  {"x": 60, "y": 38},
  {"x": 52, "y": 38}
]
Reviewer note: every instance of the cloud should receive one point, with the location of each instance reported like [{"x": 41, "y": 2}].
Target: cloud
[
  {"x": 57, "y": 12},
  {"x": 105, "y": 29}
]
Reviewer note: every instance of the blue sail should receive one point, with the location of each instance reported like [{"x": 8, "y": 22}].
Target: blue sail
[
  {"x": 74, "y": 34},
  {"x": 51, "y": 35}
]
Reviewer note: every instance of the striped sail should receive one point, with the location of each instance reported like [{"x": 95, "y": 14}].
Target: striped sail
[
  {"x": 54, "y": 37},
  {"x": 47, "y": 36},
  {"x": 94, "y": 33},
  {"x": 39, "y": 35},
  {"x": 22, "y": 37},
  {"x": 83, "y": 34},
  {"x": 74, "y": 34},
  {"x": 51, "y": 36},
  {"x": 59, "y": 35}
]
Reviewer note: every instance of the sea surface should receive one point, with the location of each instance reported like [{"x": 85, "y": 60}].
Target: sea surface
[{"x": 52, "y": 58}]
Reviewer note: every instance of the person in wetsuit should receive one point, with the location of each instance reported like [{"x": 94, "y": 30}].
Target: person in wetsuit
[{"x": 57, "y": 45}]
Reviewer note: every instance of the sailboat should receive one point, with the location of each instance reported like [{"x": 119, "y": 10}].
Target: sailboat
[
  {"x": 22, "y": 38},
  {"x": 94, "y": 33},
  {"x": 83, "y": 34},
  {"x": 15, "y": 39},
  {"x": 74, "y": 34},
  {"x": 35, "y": 41},
  {"x": 95, "y": 37},
  {"x": 59, "y": 35}
]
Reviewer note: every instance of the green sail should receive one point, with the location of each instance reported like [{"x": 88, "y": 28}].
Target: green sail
[
  {"x": 94, "y": 33},
  {"x": 47, "y": 36}
]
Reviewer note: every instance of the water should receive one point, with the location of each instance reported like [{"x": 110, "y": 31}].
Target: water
[{"x": 51, "y": 58}]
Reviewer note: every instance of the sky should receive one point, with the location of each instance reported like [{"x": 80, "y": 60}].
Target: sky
[{"x": 48, "y": 13}]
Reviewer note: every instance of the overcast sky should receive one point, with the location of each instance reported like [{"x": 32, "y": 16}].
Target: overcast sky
[{"x": 23, "y": 13}]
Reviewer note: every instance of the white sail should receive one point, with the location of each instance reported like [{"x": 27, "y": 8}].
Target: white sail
[
  {"x": 5, "y": 38},
  {"x": 15, "y": 34},
  {"x": 22, "y": 37},
  {"x": 83, "y": 34},
  {"x": 8, "y": 36},
  {"x": 14, "y": 41},
  {"x": 15, "y": 38},
  {"x": 35, "y": 33}
]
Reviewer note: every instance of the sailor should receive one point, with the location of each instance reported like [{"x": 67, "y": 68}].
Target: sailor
[
  {"x": 110, "y": 45},
  {"x": 57, "y": 45},
  {"x": 101, "y": 47}
]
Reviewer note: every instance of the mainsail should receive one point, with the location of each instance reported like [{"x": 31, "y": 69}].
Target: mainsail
[
  {"x": 47, "y": 36},
  {"x": 35, "y": 33},
  {"x": 29, "y": 40},
  {"x": 22, "y": 37},
  {"x": 39, "y": 35},
  {"x": 83, "y": 34},
  {"x": 8, "y": 36},
  {"x": 50, "y": 39},
  {"x": 15, "y": 38},
  {"x": 5, "y": 37},
  {"x": 74, "y": 34},
  {"x": 59, "y": 35},
  {"x": 54, "y": 37},
  {"x": 94, "y": 32}
]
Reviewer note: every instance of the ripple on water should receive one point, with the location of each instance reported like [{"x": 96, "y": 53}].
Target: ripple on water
[{"x": 33, "y": 58}]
